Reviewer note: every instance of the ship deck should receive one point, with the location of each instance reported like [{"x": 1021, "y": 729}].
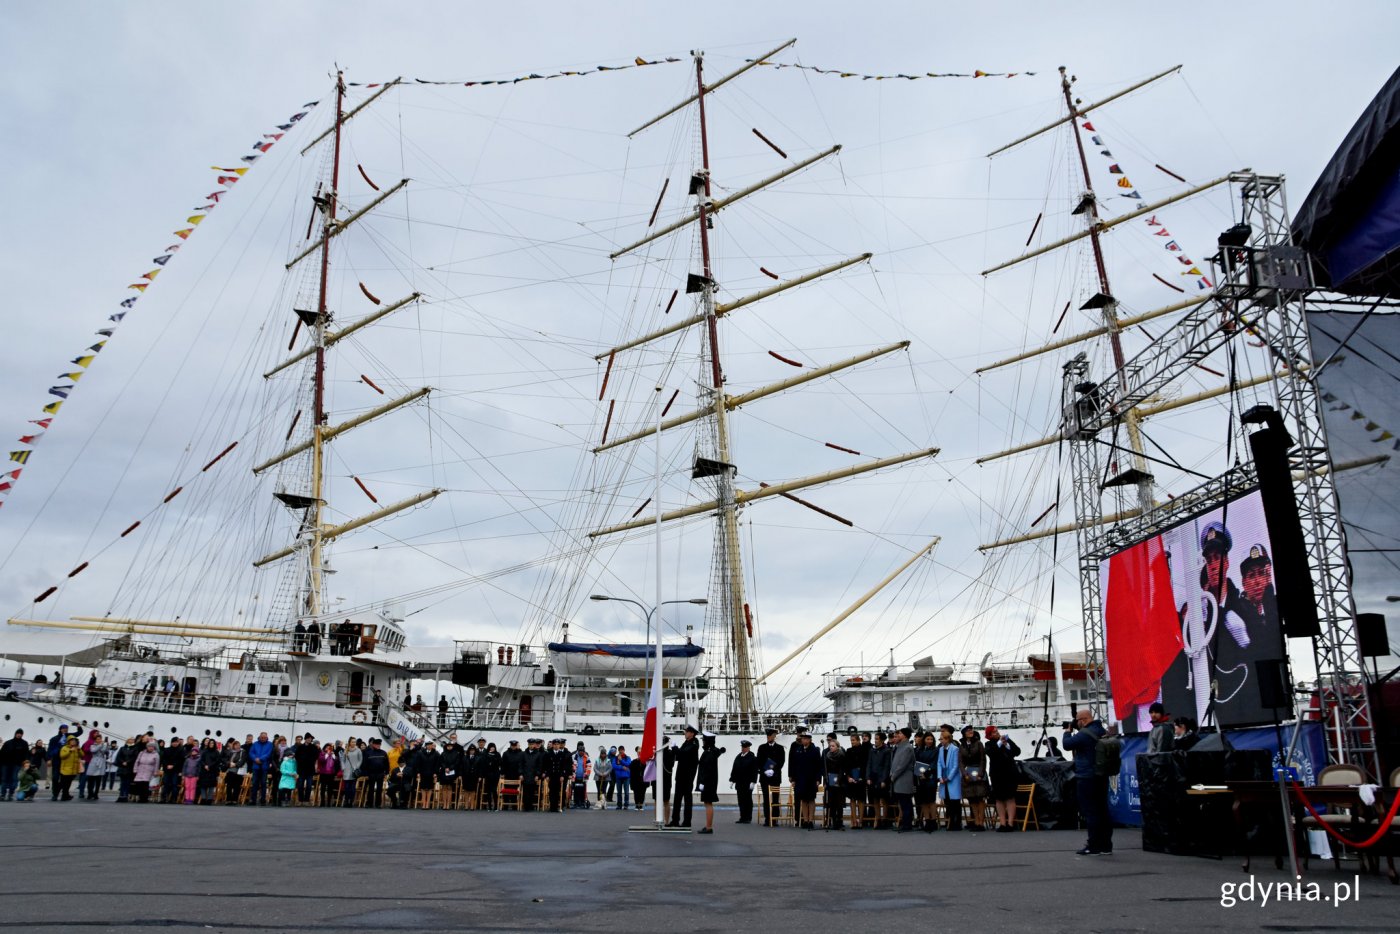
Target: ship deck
[{"x": 128, "y": 868}]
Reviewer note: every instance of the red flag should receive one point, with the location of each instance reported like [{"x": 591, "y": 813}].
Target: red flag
[
  {"x": 1089, "y": 126},
  {"x": 1142, "y": 629},
  {"x": 13, "y": 474},
  {"x": 648, "y": 747},
  {"x": 41, "y": 422}
]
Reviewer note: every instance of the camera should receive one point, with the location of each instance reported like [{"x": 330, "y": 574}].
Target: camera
[{"x": 1067, "y": 725}]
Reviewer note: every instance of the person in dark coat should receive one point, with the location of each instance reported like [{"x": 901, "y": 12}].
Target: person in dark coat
[
  {"x": 306, "y": 753},
  {"x": 857, "y": 755},
  {"x": 426, "y": 765},
  {"x": 373, "y": 768},
  {"x": 172, "y": 759},
  {"x": 687, "y": 763},
  {"x": 707, "y": 779},
  {"x": 770, "y": 758},
  {"x": 513, "y": 762},
  {"x": 926, "y": 781},
  {"x": 742, "y": 774},
  {"x": 559, "y": 769},
  {"x": 973, "y": 758},
  {"x": 471, "y": 776},
  {"x": 211, "y": 760},
  {"x": 488, "y": 769},
  {"x": 126, "y": 767},
  {"x": 638, "y": 781},
  {"x": 834, "y": 779},
  {"x": 792, "y": 748},
  {"x": 531, "y": 764},
  {"x": 877, "y": 782},
  {"x": 668, "y": 770},
  {"x": 1092, "y": 789},
  {"x": 805, "y": 767},
  {"x": 450, "y": 762},
  {"x": 14, "y": 754},
  {"x": 1002, "y": 753}
]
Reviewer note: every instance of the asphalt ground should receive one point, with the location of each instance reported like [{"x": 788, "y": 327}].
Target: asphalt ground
[{"x": 103, "y": 866}]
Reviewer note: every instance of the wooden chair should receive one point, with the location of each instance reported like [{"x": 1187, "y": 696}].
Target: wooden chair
[
  {"x": 781, "y": 809},
  {"x": 508, "y": 794},
  {"x": 1338, "y": 774},
  {"x": 427, "y": 796},
  {"x": 857, "y": 813},
  {"x": 1028, "y": 807},
  {"x": 447, "y": 796}
]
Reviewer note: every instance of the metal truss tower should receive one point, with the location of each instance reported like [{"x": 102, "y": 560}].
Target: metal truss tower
[{"x": 1263, "y": 289}]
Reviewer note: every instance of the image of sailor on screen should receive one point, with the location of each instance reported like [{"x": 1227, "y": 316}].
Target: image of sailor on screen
[
  {"x": 1213, "y": 626},
  {"x": 1257, "y": 587}
]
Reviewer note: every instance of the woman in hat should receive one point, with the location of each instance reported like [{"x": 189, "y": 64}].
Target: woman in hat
[
  {"x": 707, "y": 779},
  {"x": 973, "y": 758},
  {"x": 805, "y": 766}
]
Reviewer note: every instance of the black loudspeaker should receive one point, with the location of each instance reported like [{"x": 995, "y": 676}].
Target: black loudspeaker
[
  {"x": 1271, "y": 676},
  {"x": 1371, "y": 637},
  {"x": 1297, "y": 602}
]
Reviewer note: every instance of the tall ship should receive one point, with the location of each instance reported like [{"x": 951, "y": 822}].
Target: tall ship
[{"x": 244, "y": 602}]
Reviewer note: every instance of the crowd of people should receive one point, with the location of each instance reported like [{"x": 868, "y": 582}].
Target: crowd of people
[{"x": 904, "y": 780}]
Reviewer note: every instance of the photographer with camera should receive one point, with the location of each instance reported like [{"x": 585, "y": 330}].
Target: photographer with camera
[{"x": 1081, "y": 739}]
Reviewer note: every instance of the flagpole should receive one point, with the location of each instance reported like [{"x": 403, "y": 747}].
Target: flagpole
[{"x": 658, "y": 688}]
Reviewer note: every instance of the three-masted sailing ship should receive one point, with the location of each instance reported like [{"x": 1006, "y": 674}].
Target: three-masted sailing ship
[{"x": 298, "y": 661}]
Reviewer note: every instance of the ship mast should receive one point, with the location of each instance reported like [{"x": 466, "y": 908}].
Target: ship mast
[
  {"x": 729, "y": 585},
  {"x": 727, "y": 601},
  {"x": 315, "y": 576},
  {"x": 1109, "y": 304},
  {"x": 314, "y": 534}
]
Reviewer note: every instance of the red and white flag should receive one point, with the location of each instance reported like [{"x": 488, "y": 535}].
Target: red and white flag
[{"x": 648, "y": 749}]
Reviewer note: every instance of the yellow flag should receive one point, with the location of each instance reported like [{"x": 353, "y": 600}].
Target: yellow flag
[
  {"x": 1124, "y": 183},
  {"x": 53, "y": 407},
  {"x": 84, "y": 361},
  {"x": 195, "y": 218}
]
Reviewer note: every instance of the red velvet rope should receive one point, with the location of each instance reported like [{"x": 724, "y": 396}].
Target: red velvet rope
[{"x": 1358, "y": 844}]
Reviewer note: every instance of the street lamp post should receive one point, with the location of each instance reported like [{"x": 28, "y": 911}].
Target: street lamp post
[{"x": 656, "y": 677}]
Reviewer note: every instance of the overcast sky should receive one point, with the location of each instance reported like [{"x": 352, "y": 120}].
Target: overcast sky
[{"x": 112, "y": 118}]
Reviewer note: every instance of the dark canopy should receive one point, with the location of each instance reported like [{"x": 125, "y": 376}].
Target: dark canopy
[{"x": 1350, "y": 222}]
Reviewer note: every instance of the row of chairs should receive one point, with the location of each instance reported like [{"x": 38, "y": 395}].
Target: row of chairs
[
  {"x": 782, "y": 810},
  {"x": 509, "y": 795}
]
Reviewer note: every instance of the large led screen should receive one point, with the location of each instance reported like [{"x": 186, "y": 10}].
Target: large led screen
[{"x": 1187, "y": 613}]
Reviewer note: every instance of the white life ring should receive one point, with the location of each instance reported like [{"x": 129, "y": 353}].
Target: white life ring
[{"x": 359, "y": 717}]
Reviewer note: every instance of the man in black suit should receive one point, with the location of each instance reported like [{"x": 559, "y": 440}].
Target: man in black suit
[
  {"x": 687, "y": 763},
  {"x": 771, "y": 758}
]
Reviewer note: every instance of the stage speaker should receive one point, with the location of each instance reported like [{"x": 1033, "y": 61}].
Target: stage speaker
[
  {"x": 1371, "y": 637},
  {"x": 1271, "y": 674},
  {"x": 1293, "y": 585}
]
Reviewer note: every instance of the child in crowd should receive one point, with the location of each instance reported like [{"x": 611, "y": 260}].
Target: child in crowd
[
  {"x": 288, "y": 782},
  {"x": 28, "y": 781}
]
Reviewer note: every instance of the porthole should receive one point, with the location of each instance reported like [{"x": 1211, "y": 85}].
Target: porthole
[
  {"x": 105, "y": 725},
  {"x": 206, "y": 733},
  {"x": 41, "y": 719},
  {"x": 218, "y": 732},
  {"x": 173, "y": 730}
]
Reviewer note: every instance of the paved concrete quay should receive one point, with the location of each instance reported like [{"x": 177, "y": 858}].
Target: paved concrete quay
[{"x": 107, "y": 867}]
